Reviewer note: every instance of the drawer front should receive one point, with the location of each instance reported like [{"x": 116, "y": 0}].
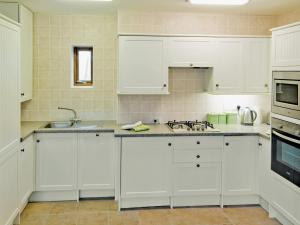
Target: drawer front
[
  {"x": 195, "y": 179},
  {"x": 201, "y": 155},
  {"x": 201, "y": 142}
]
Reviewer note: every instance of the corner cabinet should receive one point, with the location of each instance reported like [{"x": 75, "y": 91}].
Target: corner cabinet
[
  {"x": 26, "y": 170},
  {"x": 143, "y": 65},
  {"x": 240, "y": 66},
  {"x": 240, "y": 162},
  {"x": 286, "y": 46}
]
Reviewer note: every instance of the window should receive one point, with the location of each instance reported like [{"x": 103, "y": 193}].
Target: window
[{"x": 83, "y": 66}]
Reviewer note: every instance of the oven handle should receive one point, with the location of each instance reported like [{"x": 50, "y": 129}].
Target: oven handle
[{"x": 286, "y": 138}]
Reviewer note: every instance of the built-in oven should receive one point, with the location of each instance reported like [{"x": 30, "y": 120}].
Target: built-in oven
[
  {"x": 286, "y": 94},
  {"x": 286, "y": 150}
]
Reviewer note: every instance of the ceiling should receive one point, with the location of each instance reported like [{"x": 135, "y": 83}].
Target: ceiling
[{"x": 257, "y": 7}]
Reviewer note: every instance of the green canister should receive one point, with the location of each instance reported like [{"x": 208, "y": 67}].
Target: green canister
[
  {"x": 222, "y": 118},
  {"x": 213, "y": 118},
  {"x": 231, "y": 117}
]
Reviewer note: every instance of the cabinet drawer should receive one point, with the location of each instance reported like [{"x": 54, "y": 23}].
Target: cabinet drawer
[
  {"x": 205, "y": 142},
  {"x": 195, "y": 179},
  {"x": 201, "y": 155}
]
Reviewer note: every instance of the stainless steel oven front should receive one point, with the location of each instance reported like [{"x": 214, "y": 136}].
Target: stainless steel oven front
[
  {"x": 286, "y": 150},
  {"x": 286, "y": 94}
]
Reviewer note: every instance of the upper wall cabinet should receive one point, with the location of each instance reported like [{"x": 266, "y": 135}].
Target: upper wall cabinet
[
  {"x": 189, "y": 52},
  {"x": 256, "y": 65},
  {"x": 228, "y": 69},
  {"x": 241, "y": 66},
  {"x": 24, "y": 16},
  {"x": 26, "y": 20},
  {"x": 143, "y": 65},
  {"x": 286, "y": 46}
]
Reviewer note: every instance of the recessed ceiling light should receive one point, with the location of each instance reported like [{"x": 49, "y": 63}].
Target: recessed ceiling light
[{"x": 219, "y": 2}]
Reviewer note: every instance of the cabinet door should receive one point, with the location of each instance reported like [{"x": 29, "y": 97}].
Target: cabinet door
[
  {"x": 146, "y": 164},
  {"x": 9, "y": 186},
  {"x": 142, "y": 65},
  {"x": 96, "y": 161},
  {"x": 257, "y": 65},
  {"x": 240, "y": 163},
  {"x": 265, "y": 168},
  {"x": 56, "y": 163},
  {"x": 195, "y": 179},
  {"x": 286, "y": 47},
  {"x": 26, "y": 72},
  {"x": 228, "y": 70},
  {"x": 189, "y": 52},
  {"x": 26, "y": 170}
]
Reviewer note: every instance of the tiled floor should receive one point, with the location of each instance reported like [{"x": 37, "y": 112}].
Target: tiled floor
[{"x": 105, "y": 213}]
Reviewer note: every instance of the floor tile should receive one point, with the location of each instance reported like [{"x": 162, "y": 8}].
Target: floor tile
[
  {"x": 62, "y": 219},
  {"x": 93, "y": 219},
  {"x": 123, "y": 218},
  {"x": 96, "y": 206},
  {"x": 64, "y": 207}
]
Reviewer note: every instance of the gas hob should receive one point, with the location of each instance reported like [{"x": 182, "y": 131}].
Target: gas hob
[{"x": 191, "y": 126}]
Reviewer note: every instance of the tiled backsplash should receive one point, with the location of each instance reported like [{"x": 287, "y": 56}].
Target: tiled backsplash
[
  {"x": 186, "y": 101},
  {"x": 54, "y": 36}
]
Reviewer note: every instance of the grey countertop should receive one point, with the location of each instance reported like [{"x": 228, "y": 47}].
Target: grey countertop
[
  {"x": 30, "y": 127},
  {"x": 27, "y": 128},
  {"x": 262, "y": 130}
]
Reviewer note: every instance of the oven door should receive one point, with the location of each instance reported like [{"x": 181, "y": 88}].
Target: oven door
[
  {"x": 287, "y": 94},
  {"x": 286, "y": 156}
]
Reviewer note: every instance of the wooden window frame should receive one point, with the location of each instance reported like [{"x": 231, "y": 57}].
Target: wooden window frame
[{"x": 76, "y": 82}]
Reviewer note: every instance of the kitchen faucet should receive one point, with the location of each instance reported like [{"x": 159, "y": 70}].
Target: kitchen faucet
[{"x": 75, "y": 118}]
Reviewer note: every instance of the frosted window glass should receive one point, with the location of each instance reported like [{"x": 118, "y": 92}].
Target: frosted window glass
[{"x": 85, "y": 70}]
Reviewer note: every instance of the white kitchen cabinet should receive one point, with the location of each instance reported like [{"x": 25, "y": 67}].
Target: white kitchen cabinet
[
  {"x": 285, "y": 200},
  {"x": 21, "y": 14},
  {"x": 96, "y": 161},
  {"x": 256, "y": 64},
  {"x": 196, "y": 179},
  {"x": 9, "y": 186},
  {"x": 240, "y": 170},
  {"x": 265, "y": 169},
  {"x": 190, "y": 52},
  {"x": 286, "y": 46},
  {"x": 228, "y": 66},
  {"x": 145, "y": 169},
  {"x": 9, "y": 121},
  {"x": 143, "y": 65},
  {"x": 26, "y": 72},
  {"x": 56, "y": 162},
  {"x": 240, "y": 66},
  {"x": 26, "y": 170}
]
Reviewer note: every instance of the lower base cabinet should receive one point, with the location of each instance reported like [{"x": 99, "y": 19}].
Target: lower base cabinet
[
  {"x": 285, "y": 201},
  {"x": 56, "y": 163},
  {"x": 26, "y": 171},
  {"x": 96, "y": 163},
  {"x": 240, "y": 170},
  {"x": 9, "y": 186},
  {"x": 145, "y": 172},
  {"x": 70, "y": 166}
]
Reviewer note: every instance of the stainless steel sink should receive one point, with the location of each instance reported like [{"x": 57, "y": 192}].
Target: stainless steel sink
[
  {"x": 60, "y": 124},
  {"x": 69, "y": 124}
]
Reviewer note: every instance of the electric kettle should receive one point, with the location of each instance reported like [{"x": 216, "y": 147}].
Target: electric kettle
[{"x": 248, "y": 116}]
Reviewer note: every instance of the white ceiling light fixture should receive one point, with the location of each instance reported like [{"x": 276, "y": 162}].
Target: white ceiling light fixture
[{"x": 219, "y": 2}]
